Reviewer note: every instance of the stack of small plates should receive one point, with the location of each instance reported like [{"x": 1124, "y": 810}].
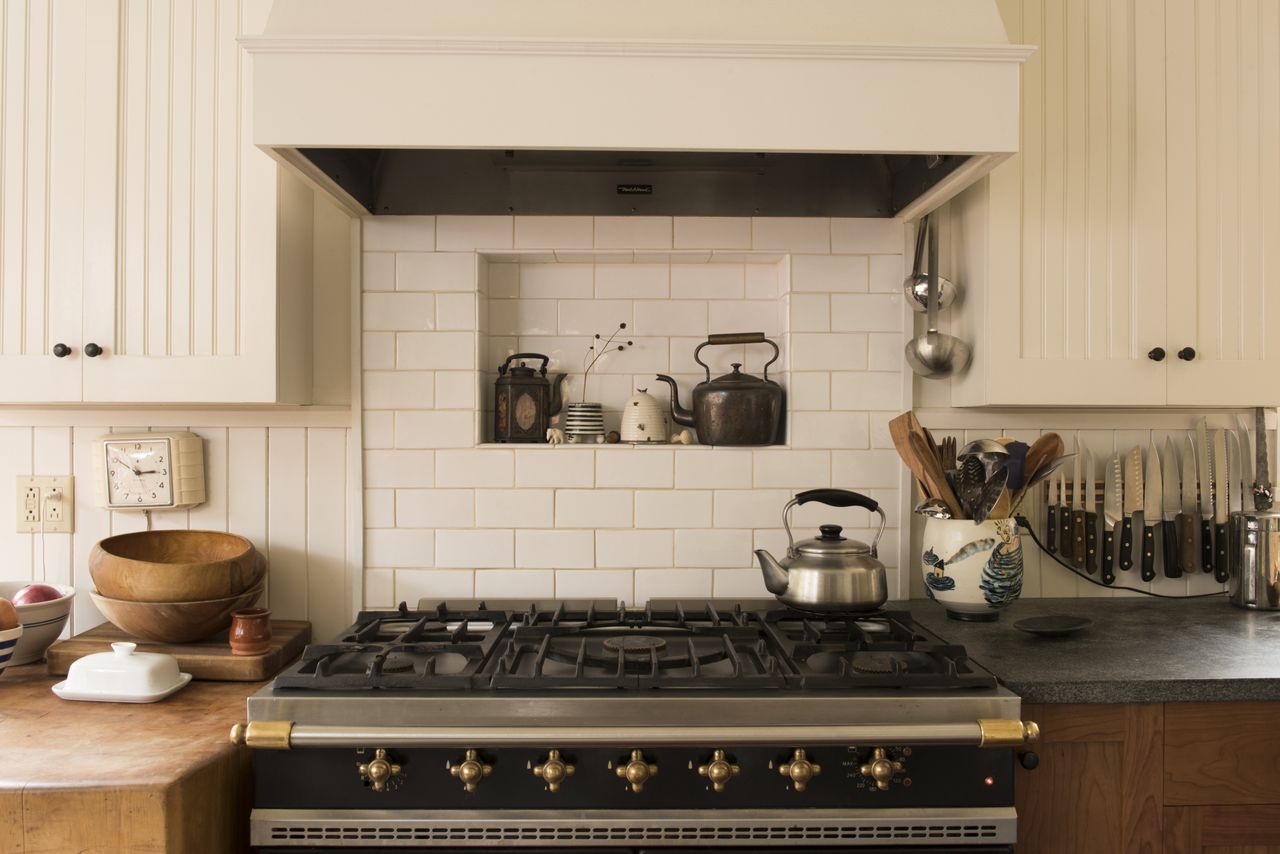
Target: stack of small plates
[{"x": 584, "y": 422}]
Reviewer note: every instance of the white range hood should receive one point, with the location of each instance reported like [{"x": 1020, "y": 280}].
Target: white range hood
[{"x": 423, "y": 90}]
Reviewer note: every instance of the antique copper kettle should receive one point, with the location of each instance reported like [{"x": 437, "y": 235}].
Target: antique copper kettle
[{"x": 734, "y": 409}]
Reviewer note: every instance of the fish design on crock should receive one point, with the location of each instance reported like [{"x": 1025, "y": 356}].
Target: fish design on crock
[{"x": 1002, "y": 575}]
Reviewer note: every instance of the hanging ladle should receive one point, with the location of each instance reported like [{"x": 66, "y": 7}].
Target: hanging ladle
[{"x": 936, "y": 355}]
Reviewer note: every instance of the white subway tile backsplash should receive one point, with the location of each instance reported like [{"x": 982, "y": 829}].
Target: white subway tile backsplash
[
  {"x": 867, "y": 390},
  {"x": 594, "y": 317},
  {"x": 746, "y": 316},
  {"x": 435, "y": 508},
  {"x": 436, "y": 350},
  {"x": 467, "y": 233},
  {"x": 673, "y": 508},
  {"x": 514, "y": 508},
  {"x": 399, "y": 312},
  {"x": 379, "y": 588},
  {"x": 407, "y": 469},
  {"x": 764, "y": 281},
  {"x": 594, "y": 508},
  {"x": 631, "y": 549},
  {"x": 555, "y": 467},
  {"x": 829, "y": 273},
  {"x": 814, "y": 351},
  {"x": 867, "y": 313},
  {"x": 475, "y": 549},
  {"x": 523, "y": 317},
  {"x": 435, "y": 271},
  {"x": 643, "y": 355},
  {"x": 378, "y": 351},
  {"x": 791, "y": 234},
  {"x": 633, "y": 232},
  {"x": 708, "y": 281},
  {"x": 867, "y": 236},
  {"x": 455, "y": 390},
  {"x": 441, "y": 428},
  {"x": 502, "y": 280},
  {"x": 379, "y": 429},
  {"x": 885, "y": 351},
  {"x": 595, "y": 584},
  {"x": 740, "y": 584},
  {"x": 712, "y": 232},
  {"x": 887, "y": 274},
  {"x": 778, "y": 467},
  {"x": 378, "y": 272},
  {"x": 650, "y": 468},
  {"x": 672, "y": 583},
  {"x": 829, "y": 430},
  {"x": 399, "y": 390},
  {"x": 413, "y": 586},
  {"x": 379, "y": 508},
  {"x": 555, "y": 549},
  {"x": 656, "y": 317},
  {"x": 398, "y": 233},
  {"x": 398, "y": 547},
  {"x": 556, "y": 281},
  {"x": 809, "y": 312},
  {"x": 870, "y": 469},
  {"x": 456, "y": 311},
  {"x": 808, "y": 390},
  {"x": 553, "y": 232},
  {"x": 750, "y": 508},
  {"x": 511, "y": 583},
  {"x": 714, "y": 469},
  {"x": 714, "y": 548},
  {"x": 632, "y": 281},
  {"x": 487, "y": 467}
]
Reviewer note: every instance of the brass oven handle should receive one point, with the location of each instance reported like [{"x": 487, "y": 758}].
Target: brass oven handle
[{"x": 283, "y": 735}]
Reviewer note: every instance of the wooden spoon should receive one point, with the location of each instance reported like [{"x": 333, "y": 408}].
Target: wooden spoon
[
  {"x": 1044, "y": 450},
  {"x": 931, "y": 474},
  {"x": 900, "y": 430}
]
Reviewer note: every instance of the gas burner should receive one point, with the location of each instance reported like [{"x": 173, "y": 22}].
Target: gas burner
[{"x": 642, "y": 645}]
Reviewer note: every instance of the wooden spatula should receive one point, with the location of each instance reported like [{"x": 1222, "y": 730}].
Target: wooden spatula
[
  {"x": 900, "y": 430},
  {"x": 932, "y": 476},
  {"x": 1043, "y": 451}
]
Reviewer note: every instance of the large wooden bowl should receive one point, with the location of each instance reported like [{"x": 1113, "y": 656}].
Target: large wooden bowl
[
  {"x": 175, "y": 566},
  {"x": 173, "y": 622}
]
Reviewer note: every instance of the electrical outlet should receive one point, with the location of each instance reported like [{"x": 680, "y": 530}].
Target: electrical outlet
[{"x": 48, "y": 501}]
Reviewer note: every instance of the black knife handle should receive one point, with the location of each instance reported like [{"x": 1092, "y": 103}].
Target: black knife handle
[
  {"x": 1077, "y": 538},
  {"x": 1172, "y": 565},
  {"x": 1091, "y": 543},
  {"x": 1188, "y": 550},
  {"x": 1148, "y": 552},
  {"x": 1126, "y": 544},
  {"x": 1051, "y": 530},
  {"x": 1206, "y": 545},
  {"x": 1109, "y": 555},
  {"x": 1220, "y": 573},
  {"x": 1064, "y": 532}
]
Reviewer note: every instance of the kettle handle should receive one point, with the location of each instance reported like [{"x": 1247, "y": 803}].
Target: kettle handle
[
  {"x": 502, "y": 369},
  {"x": 833, "y": 498},
  {"x": 721, "y": 338}
]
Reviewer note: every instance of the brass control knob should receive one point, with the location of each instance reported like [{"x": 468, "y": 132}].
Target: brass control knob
[
  {"x": 637, "y": 771},
  {"x": 800, "y": 769},
  {"x": 881, "y": 768},
  {"x": 378, "y": 772},
  {"x": 553, "y": 771},
  {"x": 471, "y": 770},
  {"x": 719, "y": 770}
]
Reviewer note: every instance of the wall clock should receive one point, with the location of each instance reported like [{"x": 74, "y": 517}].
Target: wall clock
[{"x": 147, "y": 471}]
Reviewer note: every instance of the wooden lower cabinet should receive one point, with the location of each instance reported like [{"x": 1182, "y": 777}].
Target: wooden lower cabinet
[{"x": 1185, "y": 778}]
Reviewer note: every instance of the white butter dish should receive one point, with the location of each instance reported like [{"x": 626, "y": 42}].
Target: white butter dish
[{"x": 122, "y": 676}]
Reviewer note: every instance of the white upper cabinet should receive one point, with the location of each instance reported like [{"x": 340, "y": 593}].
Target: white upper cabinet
[
  {"x": 1141, "y": 218},
  {"x": 140, "y": 226}
]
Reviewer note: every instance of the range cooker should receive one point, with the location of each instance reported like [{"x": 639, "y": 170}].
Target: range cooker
[{"x": 738, "y": 724}]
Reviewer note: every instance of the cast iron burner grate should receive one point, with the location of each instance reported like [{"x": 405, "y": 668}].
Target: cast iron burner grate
[{"x": 667, "y": 645}]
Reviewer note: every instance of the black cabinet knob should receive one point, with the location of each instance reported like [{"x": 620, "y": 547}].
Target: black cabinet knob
[
  {"x": 1029, "y": 760},
  {"x": 61, "y": 350},
  {"x": 1156, "y": 354},
  {"x": 1186, "y": 354},
  {"x": 92, "y": 350}
]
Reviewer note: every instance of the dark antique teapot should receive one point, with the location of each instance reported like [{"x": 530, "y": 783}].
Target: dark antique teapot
[
  {"x": 734, "y": 409},
  {"x": 524, "y": 400}
]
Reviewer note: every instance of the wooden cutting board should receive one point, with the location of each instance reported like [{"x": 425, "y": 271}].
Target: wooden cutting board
[{"x": 207, "y": 659}]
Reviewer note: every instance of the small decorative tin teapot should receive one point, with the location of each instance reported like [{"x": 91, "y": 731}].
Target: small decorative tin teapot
[{"x": 525, "y": 400}]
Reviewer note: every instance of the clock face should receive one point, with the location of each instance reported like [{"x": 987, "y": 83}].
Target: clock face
[{"x": 138, "y": 473}]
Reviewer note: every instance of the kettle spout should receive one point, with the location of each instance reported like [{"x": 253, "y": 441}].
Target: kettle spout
[
  {"x": 775, "y": 575},
  {"x": 557, "y": 397},
  {"x": 679, "y": 414}
]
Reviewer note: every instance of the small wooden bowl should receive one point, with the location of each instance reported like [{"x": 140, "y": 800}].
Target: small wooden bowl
[
  {"x": 175, "y": 566},
  {"x": 173, "y": 622}
]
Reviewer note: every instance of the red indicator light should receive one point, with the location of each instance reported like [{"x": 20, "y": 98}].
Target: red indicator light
[{"x": 990, "y": 781}]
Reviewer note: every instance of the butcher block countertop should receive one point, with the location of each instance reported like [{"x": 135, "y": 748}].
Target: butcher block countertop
[
  {"x": 1138, "y": 650},
  {"x": 121, "y": 776}
]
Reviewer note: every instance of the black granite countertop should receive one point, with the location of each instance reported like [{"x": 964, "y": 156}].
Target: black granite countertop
[{"x": 1138, "y": 650}]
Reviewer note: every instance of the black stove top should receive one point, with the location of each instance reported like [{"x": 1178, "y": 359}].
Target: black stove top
[{"x": 667, "y": 644}]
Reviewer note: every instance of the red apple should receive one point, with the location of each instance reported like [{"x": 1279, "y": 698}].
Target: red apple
[
  {"x": 33, "y": 593},
  {"x": 8, "y": 615}
]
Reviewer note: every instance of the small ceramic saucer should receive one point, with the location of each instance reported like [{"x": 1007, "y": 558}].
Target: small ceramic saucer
[{"x": 1053, "y": 626}]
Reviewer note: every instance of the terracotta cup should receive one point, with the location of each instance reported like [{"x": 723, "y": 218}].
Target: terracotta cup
[{"x": 250, "y": 631}]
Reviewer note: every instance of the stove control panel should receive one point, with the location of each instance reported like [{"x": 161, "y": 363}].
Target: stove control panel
[{"x": 881, "y": 768}]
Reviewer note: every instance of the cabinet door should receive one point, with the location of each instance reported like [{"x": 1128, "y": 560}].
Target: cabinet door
[
  {"x": 191, "y": 315},
  {"x": 1224, "y": 202},
  {"x": 48, "y": 125}
]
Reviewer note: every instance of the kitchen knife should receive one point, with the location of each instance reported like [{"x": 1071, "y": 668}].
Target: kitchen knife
[
  {"x": 1112, "y": 491},
  {"x": 1188, "y": 521},
  {"x": 1204, "y": 471},
  {"x": 1172, "y": 486},
  {"x": 1132, "y": 504},
  {"x": 1051, "y": 515},
  {"x": 1152, "y": 512},
  {"x": 1064, "y": 516},
  {"x": 1077, "y": 511},
  {"x": 1220, "y": 465},
  {"x": 1236, "y": 461},
  {"x": 1262, "y": 497},
  {"x": 1090, "y": 517},
  {"x": 1244, "y": 485}
]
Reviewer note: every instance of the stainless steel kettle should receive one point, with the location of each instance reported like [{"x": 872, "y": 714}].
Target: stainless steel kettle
[{"x": 828, "y": 572}]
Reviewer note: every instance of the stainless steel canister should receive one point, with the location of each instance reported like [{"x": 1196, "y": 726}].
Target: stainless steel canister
[{"x": 1255, "y": 559}]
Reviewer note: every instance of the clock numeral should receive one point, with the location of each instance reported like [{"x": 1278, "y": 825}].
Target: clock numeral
[
  {"x": 139, "y": 499},
  {"x": 137, "y": 447},
  {"x": 159, "y": 459},
  {"x": 153, "y": 495},
  {"x": 164, "y": 471},
  {"x": 161, "y": 484}
]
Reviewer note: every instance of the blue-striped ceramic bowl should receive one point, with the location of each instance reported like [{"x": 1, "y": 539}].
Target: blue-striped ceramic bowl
[
  {"x": 42, "y": 621},
  {"x": 8, "y": 641}
]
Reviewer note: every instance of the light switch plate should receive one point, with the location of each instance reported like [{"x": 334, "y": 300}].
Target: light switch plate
[{"x": 47, "y": 500}]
